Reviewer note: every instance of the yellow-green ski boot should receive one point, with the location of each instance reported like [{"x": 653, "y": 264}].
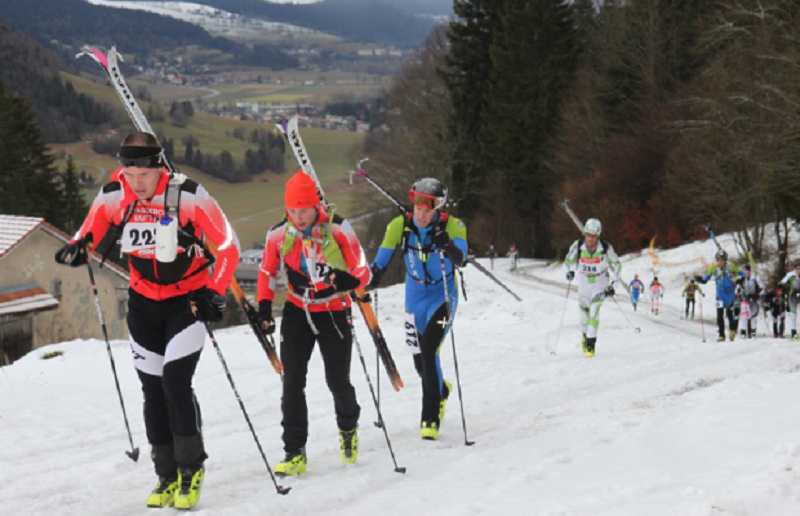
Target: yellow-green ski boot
[
  {"x": 348, "y": 446},
  {"x": 429, "y": 430},
  {"x": 292, "y": 465},
  {"x": 190, "y": 480},
  {"x": 163, "y": 495},
  {"x": 448, "y": 388}
]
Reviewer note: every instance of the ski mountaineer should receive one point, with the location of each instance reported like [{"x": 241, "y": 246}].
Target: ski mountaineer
[
  {"x": 792, "y": 283},
  {"x": 163, "y": 224},
  {"x": 324, "y": 262},
  {"x": 750, "y": 290},
  {"x": 777, "y": 307},
  {"x": 637, "y": 287},
  {"x": 689, "y": 292},
  {"x": 595, "y": 261},
  {"x": 656, "y": 295},
  {"x": 725, "y": 276},
  {"x": 423, "y": 235}
]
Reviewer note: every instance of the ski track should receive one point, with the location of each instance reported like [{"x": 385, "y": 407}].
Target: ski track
[{"x": 658, "y": 423}]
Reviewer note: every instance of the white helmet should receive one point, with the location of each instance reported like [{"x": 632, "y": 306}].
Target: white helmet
[{"x": 592, "y": 227}]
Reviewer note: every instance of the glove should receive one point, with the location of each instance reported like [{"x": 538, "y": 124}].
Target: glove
[
  {"x": 73, "y": 254},
  {"x": 698, "y": 278},
  {"x": 342, "y": 281},
  {"x": 609, "y": 291},
  {"x": 442, "y": 240},
  {"x": 570, "y": 275},
  {"x": 376, "y": 277},
  {"x": 264, "y": 317},
  {"x": 440, "y": 237},
  {"x": 207, "y": 304}
]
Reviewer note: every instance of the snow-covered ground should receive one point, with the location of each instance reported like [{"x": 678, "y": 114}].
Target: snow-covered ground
[
  {"x": 217, "y": 21},
  {"x": 658, "y": 423}
]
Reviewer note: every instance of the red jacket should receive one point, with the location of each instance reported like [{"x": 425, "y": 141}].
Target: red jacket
[
  {"x": 310, "y": 252},
  {"x": 199, "y": 216}
]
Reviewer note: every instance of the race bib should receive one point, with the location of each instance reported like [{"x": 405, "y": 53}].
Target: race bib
[
  {"x": 138, "y": 236},
  {"x": 411, "y": 334}
]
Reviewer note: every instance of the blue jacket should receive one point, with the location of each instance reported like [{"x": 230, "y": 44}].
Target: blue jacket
[{"x": 725, "y": 279}]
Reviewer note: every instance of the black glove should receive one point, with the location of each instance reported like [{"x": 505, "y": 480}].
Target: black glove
[
  {"x": 609, "y": 291},
  {"x": 342, "y": 281},
  {"x": 208, "y": 305},
  {"x": 265, "y": 319},
  {"x": 440, "y": 237},
  {"x": 570, "y": 275},
  {"x": 377, "y": 272},
  {"x": 73, "y": 254},
  {"x": 442, "y": 240},
  {"x": 698, "y": 278}
]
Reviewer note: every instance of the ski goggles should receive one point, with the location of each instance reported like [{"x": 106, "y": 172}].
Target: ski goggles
[
  {"x": 145, "y": 162},
  {"x": 423, "y": 199}
]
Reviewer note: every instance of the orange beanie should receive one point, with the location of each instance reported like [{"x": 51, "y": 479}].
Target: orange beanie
[{"x": 301, "y": 191}]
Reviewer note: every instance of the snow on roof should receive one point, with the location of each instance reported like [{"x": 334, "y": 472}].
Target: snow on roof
[
  {"x": 28, "y": 297},
  {"x": 13, "y": 229}
]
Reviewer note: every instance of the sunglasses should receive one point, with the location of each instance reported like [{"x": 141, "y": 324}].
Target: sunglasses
[
  {"x": 421, "y": 199},
  {"x": 146, "y": 162}
]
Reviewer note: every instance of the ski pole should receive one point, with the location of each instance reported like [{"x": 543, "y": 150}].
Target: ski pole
[
  {"x": 380, "y": 423},
  {"x": 635, "y": 328},
  {"x": 554, "y": 350},
  {"x": 377, "y": 423},
  {"x": 702, "y": 322},
  {"x": 280, "y": 489},
  {"x": 134, "y": 453},
  {"x": 467, "y": 442}
]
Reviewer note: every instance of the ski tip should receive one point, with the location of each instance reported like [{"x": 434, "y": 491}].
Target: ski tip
[{"x": 398, "y": 384}]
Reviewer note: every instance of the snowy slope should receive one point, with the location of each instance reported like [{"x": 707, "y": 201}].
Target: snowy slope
[
  {"x": 656, "y": 424},
  {"x": 216, "y": 21}
]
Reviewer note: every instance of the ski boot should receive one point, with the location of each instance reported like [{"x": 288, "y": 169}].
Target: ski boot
[
  {"x": 163, "y": 495},
  {"x": 448, "y": 388},
  {"x": 732, "y": 335},
  {"x": 589, "y": 349},
  {"x": 721, "y": 338},
  {"x": 429, "y": 430},
  {"x": 293, "y": 464},
  {"x": 348, "y": 446},
  {"x": 584, "y": 344},
  {"x": 190, "y": 479}
]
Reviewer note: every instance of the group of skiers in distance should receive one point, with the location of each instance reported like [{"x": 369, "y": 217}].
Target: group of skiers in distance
[{"x": 740, "y": 295}]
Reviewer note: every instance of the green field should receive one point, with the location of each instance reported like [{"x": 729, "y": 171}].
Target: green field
[
  {"x": 281, "y": 94},
  {"x": 253, "y": 206}
]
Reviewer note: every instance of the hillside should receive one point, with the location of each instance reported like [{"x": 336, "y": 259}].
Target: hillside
[
  {"x": 360, "y": 20},
  {"x": 658, "y": 423},
  {"x": 67, "y": 25},
  {"x": 31, "y": 71}
]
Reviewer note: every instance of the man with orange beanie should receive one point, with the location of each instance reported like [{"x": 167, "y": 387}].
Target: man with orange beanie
[{"x": 324, "y": 261}]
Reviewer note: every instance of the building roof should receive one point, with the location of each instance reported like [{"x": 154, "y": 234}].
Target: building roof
[
  {"x": 28, "y": 297},
  {"x": 14, "y": 229}
]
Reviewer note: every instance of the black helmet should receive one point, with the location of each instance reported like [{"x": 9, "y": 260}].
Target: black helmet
[
  {"x": 428, "y": 189},
  {"x": 721, "y": 255}
]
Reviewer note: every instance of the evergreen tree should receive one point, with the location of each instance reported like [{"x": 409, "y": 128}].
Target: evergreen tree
[
  {"x": 75, "y": 207},
  {"x": 28, "y": 182},
  {"x": 533, "y": 56}
]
